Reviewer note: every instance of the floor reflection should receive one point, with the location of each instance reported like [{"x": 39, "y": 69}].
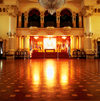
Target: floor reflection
[
  {"x": 1, "y": 65},
  {"x": 50, "y": 73},
  {"x": 53, "y": 79}
]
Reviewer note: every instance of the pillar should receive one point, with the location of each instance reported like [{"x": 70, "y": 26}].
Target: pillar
[
  {"x": 11, "y": 40},
  {"x": 58, "y": 19},
  {"x": 42, "y": 19},
  {"x": 88, "y": 44},
  {"x": 88, "y": 35},
  {"x": 74, "y": 42},
  {"x": 19, "y": 20},
  {"x": 26, "y": 20},
  {"x": 27, "y": 43},
  {"x": 19, "y": 43},
  {"x": 80, "y": 42},
  {"x": 77, "y": 42},
  {"x": 22, "y": 42},
  {"x": 74, "y": 20},
  {"x": 80, "y": 20}
]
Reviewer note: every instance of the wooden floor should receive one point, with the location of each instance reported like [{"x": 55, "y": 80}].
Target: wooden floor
[{"x": 50, "y": 80}]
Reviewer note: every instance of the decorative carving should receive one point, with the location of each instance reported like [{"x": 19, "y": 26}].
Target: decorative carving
[
  {"x": 50, "y": 31},
  {"x": 98, "y": 1},
  {"x": 88, "y": 34},
  {"x": 87, "y": 10},
  {"x": 12, "y": 10},
  {"x": 11, "y": 34}
]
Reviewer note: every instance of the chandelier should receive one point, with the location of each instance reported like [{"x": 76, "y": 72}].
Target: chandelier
[{"x": 51, "y": 5}]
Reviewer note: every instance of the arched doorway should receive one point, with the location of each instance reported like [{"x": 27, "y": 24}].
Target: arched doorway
[
  {"x": 65, "y": 18},
  {"x": 49, "y": 20},
  {"x": 34, "y": 18}
]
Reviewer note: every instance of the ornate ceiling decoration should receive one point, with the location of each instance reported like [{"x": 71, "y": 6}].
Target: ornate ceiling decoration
[{"x": 51, "y": 5}]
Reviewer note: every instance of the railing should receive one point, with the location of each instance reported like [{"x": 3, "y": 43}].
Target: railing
[{"x": 49, "y": 31}]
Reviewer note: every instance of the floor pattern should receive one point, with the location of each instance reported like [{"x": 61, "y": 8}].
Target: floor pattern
[{"x": 50, "y": 80}]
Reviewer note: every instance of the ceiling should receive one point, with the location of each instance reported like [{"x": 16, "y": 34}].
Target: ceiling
[{"x": 36, "y": 1}]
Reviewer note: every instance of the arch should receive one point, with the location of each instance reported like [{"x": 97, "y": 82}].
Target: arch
[
  {"x": 65, "y": 18},
  {"x": 34, "y": 18},
  {"x": 49, "y": 20}
]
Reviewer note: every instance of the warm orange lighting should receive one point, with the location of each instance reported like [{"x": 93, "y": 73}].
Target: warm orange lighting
[
  {"x": 77, "y": 43},
  {"x": 50, "y": 73},
  {"x": 64, "y": 75},
  {"x": 63, "y": 37},
  {"x": 49, "y": 43},
  {"x": 36, "y": 37},
  {"x": 35, "y": 74},
  {"x": 36, "y": 78}
]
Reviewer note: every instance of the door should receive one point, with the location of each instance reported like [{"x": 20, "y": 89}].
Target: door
[{"x": 98, "y": 49}]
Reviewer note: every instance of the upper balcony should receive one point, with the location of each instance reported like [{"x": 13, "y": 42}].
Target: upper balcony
[{"x": 50, "y": 31}]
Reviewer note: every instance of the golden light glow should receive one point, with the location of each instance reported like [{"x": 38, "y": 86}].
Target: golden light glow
[
  {"x": 36, "y": 76},
  {"x": 36, "y": 37},
  {"x": 50, "y": 73},
  {"x": 77, "y": 43},
  {"x": 49, "y": 43},
  {"x": 64, "y": 76},
  {"x": 1, "y": 65},
  {"x": 63, "y": 37}
]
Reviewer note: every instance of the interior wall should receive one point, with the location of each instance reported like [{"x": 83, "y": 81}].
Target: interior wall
[
  {"x": 4, "y": 25},
  {"x": 95, "y": 29},
  {"x": 23, "y": 7},
  {"x": 95, "y": 25}
]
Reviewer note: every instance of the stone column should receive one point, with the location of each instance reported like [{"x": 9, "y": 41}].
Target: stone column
[
  {"x": 80, "y": 42},
  {"x": 26, "y": 20},
  {"x": 19, "y": 20},
  {"x": 42, "y": 19},
  {"x": 77, "y": 42},
  {"x": 88, "y": 34},
  {"x": 11, "y": 40},
  {"x": 74, "y": 19},
  {"x": 19, "y": 43},
  {"x": 58, "y": 19},
  {"x": 27, "y": 43},
  {"x": 80, "y": 20},
  {"x": 22, "y": 42},
  {"x": 74, "y": 42},
  {"x": 88, "y": 43}
]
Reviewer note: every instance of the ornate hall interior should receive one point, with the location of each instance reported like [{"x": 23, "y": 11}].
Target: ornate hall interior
[{"x": 49, "y": 50}]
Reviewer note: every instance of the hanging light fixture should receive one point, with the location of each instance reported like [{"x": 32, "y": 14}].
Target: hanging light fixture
[{"x": 51, "y": 5}]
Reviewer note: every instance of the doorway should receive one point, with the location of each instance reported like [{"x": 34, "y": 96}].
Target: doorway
[{"x": 98, "y": 43}]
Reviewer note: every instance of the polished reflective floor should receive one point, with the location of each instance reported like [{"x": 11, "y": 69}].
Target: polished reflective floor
[{"x": 50, "y": 80}]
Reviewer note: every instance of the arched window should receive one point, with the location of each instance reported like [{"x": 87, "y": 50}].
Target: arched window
[
  {"x": 34, "y": 18},
  {"x": 49, "y": 20},
  {"x": 65, "y": 18}
]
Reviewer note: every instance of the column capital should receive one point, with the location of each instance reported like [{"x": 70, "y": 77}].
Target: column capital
[
  {"x": 19, "y": 13},
  {"x": 87, "y": 11},
  {"x": 57, "y": 13},
  {"x": 11, "y": 34},
  {"x": 12, "y": 10},
  {"x": 25, "y": 13},
  {"x": 42, "y": 13},
  {"x": 88, "y": 34},
  {"x": 73, "y": 13},
  {"x": 80, "y": 14}
]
